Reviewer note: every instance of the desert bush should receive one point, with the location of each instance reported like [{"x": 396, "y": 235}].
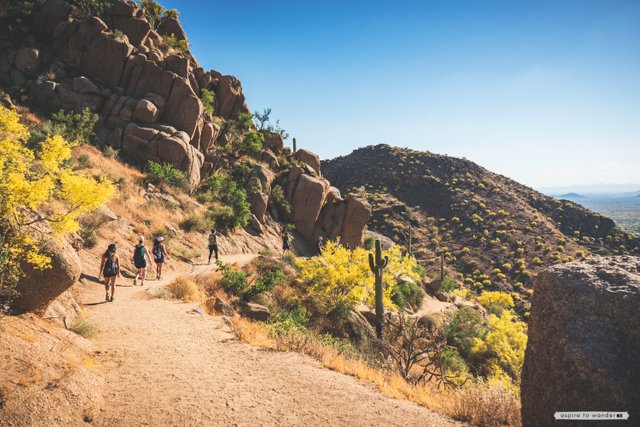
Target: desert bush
[
  {"x": 487, "y": 404},
  {"x": 165, "y": 173},
  {"x": 340, "y": 278},
  {"x": 84, "y": 327},
  {"x": 110, "y": 152},
  {"x": 416, "y": 349},
  {"x": 500, "y": 353},
  {"x": 495, "y": 302},
  {"x": 407, "y": 293},
  {"x": 449, "y": 284},
  {"x": 234, "y": 281},
  {"x": 242, "y": 123},
  {"x": 184, "y": 288},
  {"x": 230, "y": 208},
  {"x": 463, "y": 328},
  {"x": 278, "y": 201},
  {"x": 251, "y": 143},
  {"x": 155, "y": 13},
  {"x": 208, "y": 98},
  {"x": 74, "y": 127},
  {"x": 84, "y": 9},
  {"x": 195, "y": 222},
  {"x": 172, "y": 42}
]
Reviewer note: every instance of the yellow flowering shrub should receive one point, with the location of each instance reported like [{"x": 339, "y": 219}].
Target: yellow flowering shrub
[
  {"x": 502, "y": 348},
  {"x": 38, "y": 185},
  {"x": 341, "y": 277},
  {"x": 495, "y": 302}
]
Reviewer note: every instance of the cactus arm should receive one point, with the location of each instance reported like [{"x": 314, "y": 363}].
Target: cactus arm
[
  {"x": 371, "y": 263},
  {"x": 384, "y": 262}
]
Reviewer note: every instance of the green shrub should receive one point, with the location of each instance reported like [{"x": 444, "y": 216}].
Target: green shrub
[
  {"x": 269, "y": 276},
  {"x": 464, "y": 326},
  {"x": 165, "y": 173},
  {"x": 233, "y": 280},
  {"x": 110, "y": 152},
  {"x": 74, "y": 127},
  {"x": 208, "y": 99},
  {"x": 181, "y": 46},
  {"x": 155, "y": 13},
  {"x": 369, "y": 242},
  {"x": 449, "y": 284},
  {"x": 242, "y": 123},
  {"x": 251, "y": 143},
  {"x": 194, "y": 222},
  {"x": 278, "y": 201},
  {"x": 406, "y": 292}
]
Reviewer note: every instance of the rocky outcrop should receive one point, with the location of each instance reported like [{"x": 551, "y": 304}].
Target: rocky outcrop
[
  {"x": 309, "y": 158},
  {"x": 584, "y": 338},
  {"x": 255, "y": 312},
  {"x": 120, "y": 67},
  {"x": 37, "y": 288},
  {"x": 319, "y": 210}
]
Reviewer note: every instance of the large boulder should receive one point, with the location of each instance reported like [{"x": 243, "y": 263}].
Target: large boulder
[
  {"x": 27, "y": 60},
  {"x": 355, "y": 220},
  {"x": 584, "y": 340},
  {"x": 37, "y": 288},
  {"x": 230, "y": 100},
  {"x": 309, "y": 158},
  {"x": 255, "y": 312},
  {"x": 259, "y": 203},
  {"x": 308, "y": 199}
]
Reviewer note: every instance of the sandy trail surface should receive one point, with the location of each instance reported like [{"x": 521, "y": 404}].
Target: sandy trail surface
[{"x": 167, "y": 364}]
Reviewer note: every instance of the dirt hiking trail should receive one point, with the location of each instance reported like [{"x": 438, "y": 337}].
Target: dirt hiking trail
[{"x": 167, "y": 364}]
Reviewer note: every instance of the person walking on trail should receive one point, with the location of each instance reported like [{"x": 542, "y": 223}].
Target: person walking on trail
[
  {"x": 160, "y": 255},
  {"x": 320, "y": 244},
  {"x": 213, "y": 244},
  {"x": 140, "y": 257},
  {"x": 110, "y": 269},
  {"x": 286, "y": 242}
]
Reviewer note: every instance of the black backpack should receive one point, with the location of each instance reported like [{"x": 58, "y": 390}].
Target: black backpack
[
  {"x": 110, "y": 267},
  {"x": 138, "y": 254}
]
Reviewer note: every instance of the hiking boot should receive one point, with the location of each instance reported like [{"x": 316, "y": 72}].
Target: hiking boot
[
  {"x": 111, "y": 300},
  {"x": 106, "y": 297},
  {"x": 135, "y": 281}
]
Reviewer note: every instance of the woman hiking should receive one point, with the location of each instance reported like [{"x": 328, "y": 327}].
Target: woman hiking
[
  {"x": 213, "y": 244},
  {"x": 140, "y": 257},
  {"x": 160, "y": 255},
  {"x": 110, "y": 269}
]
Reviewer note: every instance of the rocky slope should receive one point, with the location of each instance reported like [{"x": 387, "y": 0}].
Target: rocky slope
[
  {"x": 138, "y": 75},
  {"x": 494, "y": 233}
]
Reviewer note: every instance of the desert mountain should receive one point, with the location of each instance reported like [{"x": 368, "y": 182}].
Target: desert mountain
[{"x": 494, "y": 233}]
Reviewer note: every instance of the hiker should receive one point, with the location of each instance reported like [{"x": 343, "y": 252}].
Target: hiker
[
  {"x": 140, "y": 257},
  {"x": 320, "y": 244},
  {"x": 286, "y": 244},
  {"x": 213, "y": 244},
  {"x": 160, "y": 255},
  {"x": 110, "y": 269}
]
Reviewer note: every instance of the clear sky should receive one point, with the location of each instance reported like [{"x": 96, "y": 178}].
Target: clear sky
[{"x": 545, "y": 92}]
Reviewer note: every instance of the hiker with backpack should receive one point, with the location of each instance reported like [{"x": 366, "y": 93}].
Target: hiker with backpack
[
  {"x": 286, "y": 244},
  {"x": 160, "y": 255},
  {"x": 140, "y": 257},
  {"x": 110, "y": 269},
  {"x": 213, "y": 244}
]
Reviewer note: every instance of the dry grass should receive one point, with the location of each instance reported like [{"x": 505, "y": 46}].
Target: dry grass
[
  {"x": 84, "y": 327},
  {"x": 485, "y": 404},
  {"x": 186, "y": 289},
  {"x": 478, "y": 403}
]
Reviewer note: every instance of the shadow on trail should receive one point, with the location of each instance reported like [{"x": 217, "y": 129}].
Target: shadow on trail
[
  {"x": 91, "y": 304},
  {"x": 93, "y": 279}
]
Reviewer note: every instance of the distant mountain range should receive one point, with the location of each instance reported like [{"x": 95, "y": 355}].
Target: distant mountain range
[{"x": 591, "y": 189}]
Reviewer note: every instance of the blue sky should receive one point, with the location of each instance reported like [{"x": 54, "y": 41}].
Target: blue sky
[{"x": 545, "y": 92}]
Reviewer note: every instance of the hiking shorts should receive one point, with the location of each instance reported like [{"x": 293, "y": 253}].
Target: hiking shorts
[{"x": 140, "y": 263}]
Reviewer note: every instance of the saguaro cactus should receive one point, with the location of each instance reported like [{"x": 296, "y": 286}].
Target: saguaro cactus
[
  {"x": 377, "y": 265},
  {"x": 295, "y": 148}
]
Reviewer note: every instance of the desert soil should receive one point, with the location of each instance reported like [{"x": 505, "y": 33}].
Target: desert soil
[{"x": 166, "y": 363}]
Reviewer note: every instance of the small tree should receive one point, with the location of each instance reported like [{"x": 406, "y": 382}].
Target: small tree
[{"x": 417, "y": 349}]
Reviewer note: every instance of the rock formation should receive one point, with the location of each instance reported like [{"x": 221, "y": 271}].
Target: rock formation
[
  {"x": 584, "y": 340},
  {"x": 37, "y": 288},
  {"x": 146, "y": 93}
]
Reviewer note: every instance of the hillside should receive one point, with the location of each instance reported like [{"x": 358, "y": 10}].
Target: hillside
[{"x": 494, "y": 233}]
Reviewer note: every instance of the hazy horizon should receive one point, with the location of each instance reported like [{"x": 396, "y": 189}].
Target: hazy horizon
[{"x": 546, "y": 93}]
